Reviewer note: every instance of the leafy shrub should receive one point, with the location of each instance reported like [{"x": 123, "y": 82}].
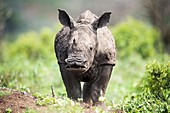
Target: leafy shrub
[
  {"x": 145, "y": 103},
  {"x": 155, "y": 96},
  {"x": 33, "y": 45},
  {"x": 157, "y": 80},
  {"x": 134, "y": 36}
]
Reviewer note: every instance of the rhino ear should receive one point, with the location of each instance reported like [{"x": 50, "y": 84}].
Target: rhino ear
[
  {"x": 65, "y": 19},
  {"x": 102, "y": 21}
]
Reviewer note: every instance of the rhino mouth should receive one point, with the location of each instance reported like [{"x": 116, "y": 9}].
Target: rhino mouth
[
  {"x": 76, "y": 64},
  {"x": 76, "y": 67}
]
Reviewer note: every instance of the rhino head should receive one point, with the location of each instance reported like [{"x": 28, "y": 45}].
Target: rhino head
[{"x": 83, "y": 42}]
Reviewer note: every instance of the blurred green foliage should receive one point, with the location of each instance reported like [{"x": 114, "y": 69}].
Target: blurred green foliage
[
  {"x": 155, "y": 91},
  {"x": 33, "y": 45},
  {"x": 135, "y": 37}
]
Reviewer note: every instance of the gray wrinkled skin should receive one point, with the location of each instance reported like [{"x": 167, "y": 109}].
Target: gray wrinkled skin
[{"x": 85, "y": 50}]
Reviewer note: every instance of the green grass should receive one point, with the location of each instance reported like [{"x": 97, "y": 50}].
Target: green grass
[
  {"x": 37, "y": 76},
  {"x": 2, "y": 93}
]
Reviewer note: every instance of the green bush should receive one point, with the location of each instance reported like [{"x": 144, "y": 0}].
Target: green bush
[
  {"x": 134, "y": 36},
  {"x": 155, "y": 87},
  {"x": 33, "y": 45},
  {"x": 157, "y": 80},
  {"x": 145, "y": 103}
]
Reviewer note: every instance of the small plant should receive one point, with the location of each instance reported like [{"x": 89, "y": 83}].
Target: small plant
[
  {"x": 28, "y": 110},
  {"x": 44, "y": 99},
  {"x": 2, "y": 93},
  {"x": 8, "y": 110},
  {"x": 24, "y": 89}
]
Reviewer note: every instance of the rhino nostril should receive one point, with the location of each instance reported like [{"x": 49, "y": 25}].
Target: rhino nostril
[
  {"x": 84, "y": 61},
  {"x": 75, "y": 59},
  {"x": 74, "y": 41}
]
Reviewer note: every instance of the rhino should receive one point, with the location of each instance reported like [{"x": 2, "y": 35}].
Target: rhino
[{"x": 86, "y": 52}]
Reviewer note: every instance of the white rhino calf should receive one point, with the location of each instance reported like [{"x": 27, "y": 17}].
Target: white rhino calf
[{"x": 85, "y": 50}]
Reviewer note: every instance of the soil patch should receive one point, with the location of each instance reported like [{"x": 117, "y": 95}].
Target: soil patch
[
  {"x": 17, "y": 101},
  {"x": 21, "y": 102}
]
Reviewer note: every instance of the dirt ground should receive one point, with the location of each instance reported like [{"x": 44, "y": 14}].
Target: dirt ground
[
  {"x": 17, "y": 101},
  {"x": 21, "y": 102}
]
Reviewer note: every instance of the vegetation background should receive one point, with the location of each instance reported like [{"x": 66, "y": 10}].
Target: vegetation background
[{"x": 141, "y": 28}]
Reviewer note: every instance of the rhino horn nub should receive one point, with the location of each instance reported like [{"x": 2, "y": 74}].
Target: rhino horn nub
[{"x": 87, "y": 13}]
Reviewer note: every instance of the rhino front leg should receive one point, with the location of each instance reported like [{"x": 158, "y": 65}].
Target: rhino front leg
[
  {"x": 94, "y": 90},
  {"x": 87, "y": 98},
  {"x": 71, "y": 83}
]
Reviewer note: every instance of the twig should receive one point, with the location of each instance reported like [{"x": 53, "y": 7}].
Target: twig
[{"x": 52, "y": 90}]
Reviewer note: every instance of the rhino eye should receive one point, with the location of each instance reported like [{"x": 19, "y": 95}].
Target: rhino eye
[{"x": 91, "y": 48}]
